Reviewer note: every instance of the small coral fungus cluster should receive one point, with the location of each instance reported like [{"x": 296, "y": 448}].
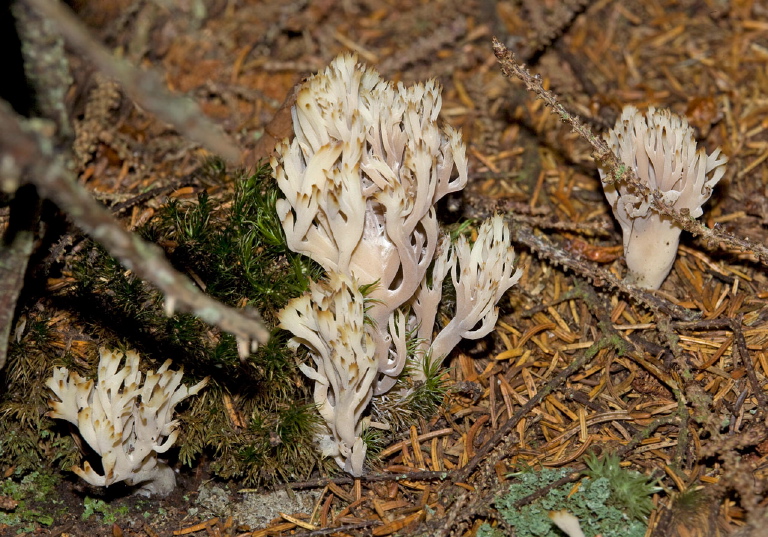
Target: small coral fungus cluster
[
  {"x": 361, "y": 179},
  {"x": 126, "y": 421},
  {"x": 661, "y": 149}
]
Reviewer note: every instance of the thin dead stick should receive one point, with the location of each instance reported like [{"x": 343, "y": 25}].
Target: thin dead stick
[
  {"x": 29, "y": 151},
  {"x": 619, "y": 172},
  {"x": 597, "y": 275},
  {"x": 343, "y": 529},
  {"x": 740, "y": 350},
  {"x": 522, "y": 233},
  {"x": 146, "y": 88},
  {"x": 416, "y": 475},
  {"x": 510, "y": 68}
]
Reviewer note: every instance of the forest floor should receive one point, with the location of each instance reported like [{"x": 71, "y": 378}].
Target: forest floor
[{"x": 673, "y": 380}]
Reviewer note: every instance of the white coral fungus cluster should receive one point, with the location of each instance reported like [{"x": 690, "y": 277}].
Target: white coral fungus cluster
[
  {"x": 661, "y": 149},
  {"x": 126, "y": 422},
  {"x": 361, "y": 179}
]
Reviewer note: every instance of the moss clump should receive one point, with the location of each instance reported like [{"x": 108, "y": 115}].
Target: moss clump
[
  {"x": 26, "y": 492},
  {"x": 109, "y": 513},
  {"x": 407, "y": 401},
  {"x": 236, "y": 246},
  {"x": 630, "y": 491},
  {"x": 28, "y": 440},
  {"x": 256, "y": 421}
]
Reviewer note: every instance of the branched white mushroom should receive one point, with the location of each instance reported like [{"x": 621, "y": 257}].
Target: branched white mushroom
[
  {"x": 661, "y": 149},
  {"x": 126, "y": 423},
  {"x": 330, "y": 322},
  {"x": 361, "y": 179},
  {"x": 481, "y": 275}
]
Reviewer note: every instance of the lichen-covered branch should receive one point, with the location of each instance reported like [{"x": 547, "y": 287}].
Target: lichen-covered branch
[
  {"x": 14, "y": 256},
  {"x": 29, "y": 152}
]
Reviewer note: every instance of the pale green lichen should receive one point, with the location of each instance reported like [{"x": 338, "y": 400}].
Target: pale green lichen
[{"x": 610, "y": 501}]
